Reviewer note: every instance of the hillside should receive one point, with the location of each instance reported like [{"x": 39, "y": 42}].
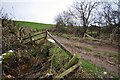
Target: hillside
[{"x": 34, "y": 24}]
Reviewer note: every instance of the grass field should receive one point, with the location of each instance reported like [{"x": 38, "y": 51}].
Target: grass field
[
  {"x": 93, "y": 70},
  {"x": 34, "y": 24}
]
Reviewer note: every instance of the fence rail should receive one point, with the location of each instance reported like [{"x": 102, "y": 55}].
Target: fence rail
[
  {"x": 61, "y": 45},
  {"x": 31, "y": 37},
  {"x": 35, "y": 35},
  {"x": 47, "y": 33},
  {"x": 73, "y": 63}
]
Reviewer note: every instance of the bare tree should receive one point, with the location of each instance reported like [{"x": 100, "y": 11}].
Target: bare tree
[
  {"x": 116, "y": 14},
  {"x": 68, "y": 19},
  {"x": 64, "y": 20},
  {"x": 59, "y": 22},
  {"x": 82, "y": 11},
  {"x": 112, "y": 19}
]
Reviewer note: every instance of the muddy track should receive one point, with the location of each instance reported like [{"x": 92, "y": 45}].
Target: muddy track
[{"x": 100, "y": 62}]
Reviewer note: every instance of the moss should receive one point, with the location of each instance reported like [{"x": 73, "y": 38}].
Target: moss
[{"x": 8, "y": 56}]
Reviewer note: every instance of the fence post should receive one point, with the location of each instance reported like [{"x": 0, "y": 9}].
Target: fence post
[
  {"x": 30, "y": 37},
  {"x": 46, "y": 36}
]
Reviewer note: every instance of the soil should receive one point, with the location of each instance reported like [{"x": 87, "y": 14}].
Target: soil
[{"x": 78, "y": 46}]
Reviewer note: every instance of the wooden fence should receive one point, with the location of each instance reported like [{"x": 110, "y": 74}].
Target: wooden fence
[
  {"x": 31, "y": 37},
  {"x": 72, "y": 64},
  {"x": 45, "y": 37}
]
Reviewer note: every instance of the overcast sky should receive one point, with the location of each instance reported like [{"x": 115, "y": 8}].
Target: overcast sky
[{"x": 43, "y": 11}]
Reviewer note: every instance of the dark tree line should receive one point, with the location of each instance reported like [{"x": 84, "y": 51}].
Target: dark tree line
[{"x": 86, "y": 14}]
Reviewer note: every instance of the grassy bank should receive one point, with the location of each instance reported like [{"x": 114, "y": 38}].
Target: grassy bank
[
  {"x": 34, "y": 25},
  {"x": 94, "y": 71}
]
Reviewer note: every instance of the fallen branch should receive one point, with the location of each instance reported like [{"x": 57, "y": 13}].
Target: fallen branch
[{"x": 92, "y": 38}]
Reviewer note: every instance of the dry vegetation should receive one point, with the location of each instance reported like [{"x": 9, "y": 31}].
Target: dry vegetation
[
  {"x": 43, "y": 59},
  {"x": 36, "y": 59}
]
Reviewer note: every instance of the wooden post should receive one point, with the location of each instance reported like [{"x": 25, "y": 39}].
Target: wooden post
[
  {"x": 46, "y": 36},
  {"x": 30, "y": 37}
]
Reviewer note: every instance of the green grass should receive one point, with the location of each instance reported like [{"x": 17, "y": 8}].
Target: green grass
[
  {"x": 88, "y": 66},
  {"x": 34, "y": 25},
  {"x": 60, "y": 58},
  {"x": 112, "y": 54},
  {"x": 97, "y": 54},
  {"x": 94, "y": 46},
  {"x": 65, "y": 36},
  {"x": 93, "y": 70},
  {"x": 87, "y": 49}
]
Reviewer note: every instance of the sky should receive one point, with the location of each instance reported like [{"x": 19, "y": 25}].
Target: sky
[{"x": 42, "y": 11}]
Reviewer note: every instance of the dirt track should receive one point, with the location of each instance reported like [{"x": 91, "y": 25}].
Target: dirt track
[{"x": 76, "y": 46}]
